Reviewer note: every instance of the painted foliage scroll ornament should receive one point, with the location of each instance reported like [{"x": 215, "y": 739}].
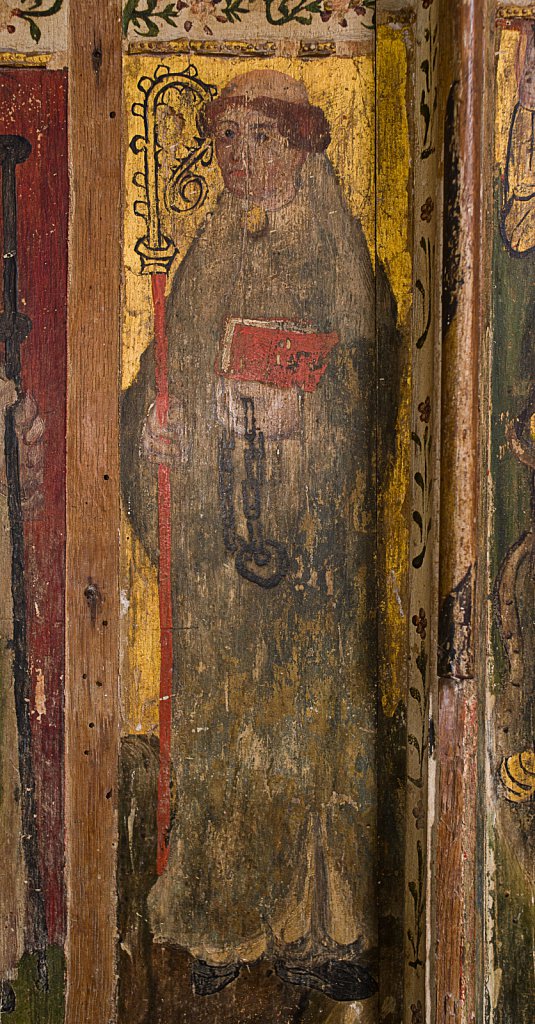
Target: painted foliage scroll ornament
[
  {"x": 429, "y": 93},
  {"x": 424, "y": 280},
  {"x": 422, "y": 477},
  {"x": 421, "y": 696},
  {"x": 31, "y": 12},
  {"x": 279, "y": 12},
  {"x": 150, "y": 17},
  {"x": 418, "y": 697},
  {"x": 423, "y": 284},
  {"x": 418, "y": 744}
]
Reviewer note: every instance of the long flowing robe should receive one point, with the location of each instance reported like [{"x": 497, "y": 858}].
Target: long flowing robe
[{"x": 272, "y": 847}]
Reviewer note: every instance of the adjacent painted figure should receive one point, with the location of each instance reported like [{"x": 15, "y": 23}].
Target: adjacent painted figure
[
  {"x": 271, "y": 440},
  {"x": 30, "y": 429},
  {"x": 517, "y": 770},
  {"x": 518, "y": 219}
]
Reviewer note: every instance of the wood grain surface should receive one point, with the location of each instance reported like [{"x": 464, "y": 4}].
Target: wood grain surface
[
  {"x": 465, "y": 304},
  {"x": 92, "y": 598}
]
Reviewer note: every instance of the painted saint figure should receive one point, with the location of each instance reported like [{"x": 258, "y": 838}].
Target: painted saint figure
[
  {"x": 271, "y": 441},
  {"x": 518, "y": 215},
  {"x": 517, "y": 769},
  {"x": 30, "y": 429}
]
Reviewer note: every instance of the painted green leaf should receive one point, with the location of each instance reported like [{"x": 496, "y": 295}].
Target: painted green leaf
[
  {"x": 35, "y": 31},
  {"x": 419, "y": 560}
]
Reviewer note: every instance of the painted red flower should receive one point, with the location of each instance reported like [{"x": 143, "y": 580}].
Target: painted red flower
[
  {"x": 424, "y": 408},
  {"x": 419, "y": 815},
  {"x": 6, "y": 14},
  {"x": 420, "y": 623},
  {"x": 417, "y": 1008},
  {"x": 426, "y": 211}
]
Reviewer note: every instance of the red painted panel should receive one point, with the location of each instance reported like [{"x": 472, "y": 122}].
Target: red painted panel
[{"x": 33, "y": 103}]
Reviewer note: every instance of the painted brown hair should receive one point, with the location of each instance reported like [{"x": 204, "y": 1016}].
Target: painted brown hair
[{"x": 304, "y": 125}]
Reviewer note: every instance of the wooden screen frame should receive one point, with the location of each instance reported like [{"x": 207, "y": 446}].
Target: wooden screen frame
[{"x": 92, "y": 587}]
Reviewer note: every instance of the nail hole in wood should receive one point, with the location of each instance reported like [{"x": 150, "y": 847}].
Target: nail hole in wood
[
  {"x": 94, "y": 599},
  {"x": 96, "y": 59}
]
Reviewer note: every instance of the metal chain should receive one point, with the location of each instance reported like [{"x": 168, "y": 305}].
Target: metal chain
[
  {"x": 268, "y": 556},
  {"x": 226, "y": 447}
]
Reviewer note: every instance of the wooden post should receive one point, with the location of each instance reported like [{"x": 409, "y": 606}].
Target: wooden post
[
  {"x": 92, "y": 591},
  {"x": 466, "y": 278}
]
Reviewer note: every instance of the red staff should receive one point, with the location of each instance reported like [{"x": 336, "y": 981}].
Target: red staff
[{"x": 186, "y": 190}]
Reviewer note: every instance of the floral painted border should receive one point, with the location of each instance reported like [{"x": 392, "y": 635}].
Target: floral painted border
[
  {"x": 148, "y": 17},
  {"x": 424, "y": 498},
  {"x": 30, "y": 13}
]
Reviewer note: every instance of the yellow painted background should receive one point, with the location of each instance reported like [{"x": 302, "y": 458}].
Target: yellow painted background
[
  {"x": 506, "y": 100},
  {"x": 506, "y": 91},
  {"x": 394, "y": 249},
  {"x": 345, "y": 89}
]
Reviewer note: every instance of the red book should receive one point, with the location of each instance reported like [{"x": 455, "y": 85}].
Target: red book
[{"x": 274, "y": 352}]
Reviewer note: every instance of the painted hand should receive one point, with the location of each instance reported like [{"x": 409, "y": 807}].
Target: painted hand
[
  {"x": 277, "y": 411},
  {"x": 167, "y": 445},
  {"x": 526, "y": 78},
  {"x": 30, "y": 429}
]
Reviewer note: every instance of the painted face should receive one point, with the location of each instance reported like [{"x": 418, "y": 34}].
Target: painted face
[{"x": 256, "y": 160}]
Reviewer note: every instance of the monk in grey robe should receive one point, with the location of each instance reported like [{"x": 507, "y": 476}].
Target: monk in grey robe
[{"x": 272, "y": 848}]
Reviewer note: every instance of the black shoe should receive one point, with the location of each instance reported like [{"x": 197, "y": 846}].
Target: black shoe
[
  {"x": 342, "y": 980},
  {"x": 7, "y": 997},
  {"x": 211, "y": 978}
]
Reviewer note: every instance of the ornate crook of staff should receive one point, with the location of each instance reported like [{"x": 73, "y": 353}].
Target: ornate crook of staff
[
  {"x": 14, "y": 328},
  {"x": 157, "y": 252}
]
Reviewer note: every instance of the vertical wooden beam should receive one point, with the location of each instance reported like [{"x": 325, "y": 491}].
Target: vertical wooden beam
[
  {"x": 92, "y": 591},
  {"x": 465, "y": 315}
]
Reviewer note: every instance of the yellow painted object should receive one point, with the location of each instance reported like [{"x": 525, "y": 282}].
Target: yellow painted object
[
  {"x": 12, "y": 59},
  {"x": 517, "y": 773}
]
